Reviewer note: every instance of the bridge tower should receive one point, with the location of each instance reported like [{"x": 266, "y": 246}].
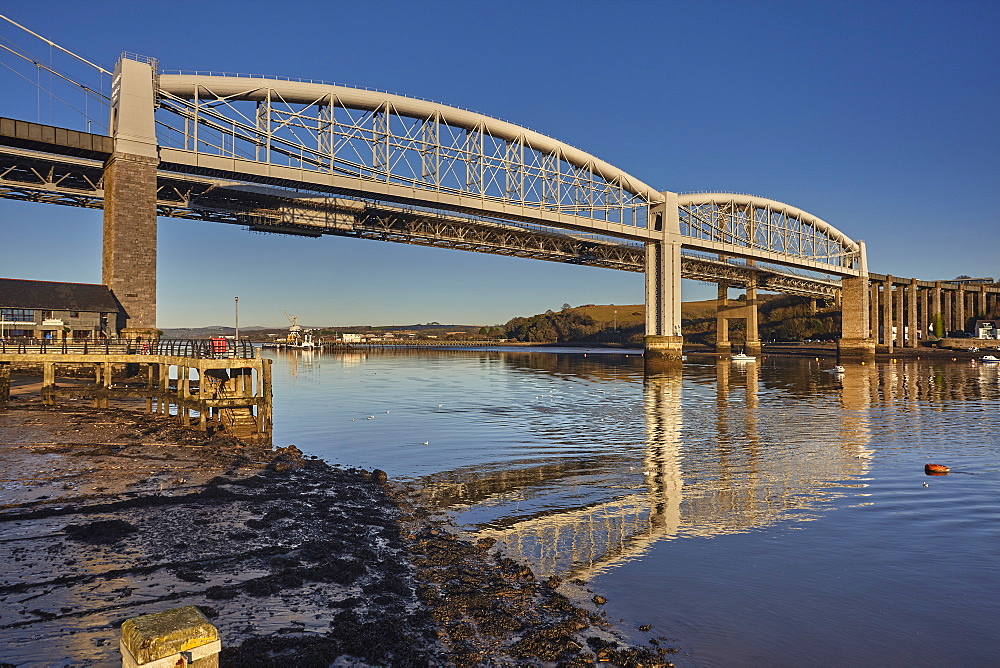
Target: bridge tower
[
  {"x": 663, "y": 287},
  {"x": 856, "y": 342},
  {"x": 129, "y": 257}
]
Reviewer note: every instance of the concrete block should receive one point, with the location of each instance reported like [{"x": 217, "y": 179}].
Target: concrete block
[{"x": 181, "y": 637}]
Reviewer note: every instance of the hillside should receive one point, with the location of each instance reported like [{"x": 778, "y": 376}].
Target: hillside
[{"x": 781, "y": 318}]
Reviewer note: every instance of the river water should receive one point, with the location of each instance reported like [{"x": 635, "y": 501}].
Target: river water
[{"x": 770, "y": 513}]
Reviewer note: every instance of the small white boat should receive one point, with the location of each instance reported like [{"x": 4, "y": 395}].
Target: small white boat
[
  {"x": 741, "y": 357},
  {"x": 306, "y": 343},
  {"x": 989, "y": 358}
]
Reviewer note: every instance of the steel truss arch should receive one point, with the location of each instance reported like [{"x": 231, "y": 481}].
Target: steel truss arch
[
  {"x": 756, "y": 226},
  {"x": 395, "y": 140}
]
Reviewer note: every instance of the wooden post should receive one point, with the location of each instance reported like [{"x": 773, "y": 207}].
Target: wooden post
[
  {"x": 48, "y": 382},
  {"x": 266, "y": 406},
  {"x": 4, "y": 384},
  {"x": 164, "y": 389},
  {"x": 108, "y": 371},
  {"x": 203, "y": 396},
  {"x": 97, "y": 384},
  {"x": 149, "y": 386},
  {"x": 184, "y": 390}
]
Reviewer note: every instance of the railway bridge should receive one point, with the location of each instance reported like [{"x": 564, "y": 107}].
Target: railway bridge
[{"x": 312, "y": 158}]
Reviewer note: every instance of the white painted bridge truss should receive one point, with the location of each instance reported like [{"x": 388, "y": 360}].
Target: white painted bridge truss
[
  {"x": 418, "y": 152},
  {"x": 393, "y": 139},
  {"x": 752, "y": 226}
]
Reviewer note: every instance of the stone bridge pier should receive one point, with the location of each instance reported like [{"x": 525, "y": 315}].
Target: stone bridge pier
[
  {"x": 856, "y": 342},
  {"x": 129, "y": 254}
]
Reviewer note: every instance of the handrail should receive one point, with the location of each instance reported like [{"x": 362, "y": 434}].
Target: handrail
[{"x": 217, "y": 348}]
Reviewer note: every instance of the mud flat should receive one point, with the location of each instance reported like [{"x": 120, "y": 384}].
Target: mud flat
[{"x": 108, "y": 514}]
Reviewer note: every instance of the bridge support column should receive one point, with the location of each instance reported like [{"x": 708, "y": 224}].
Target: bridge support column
[
  {"x": 873, "y": 298},
  {"x": 949, "y": 321},
  {"x": 924, "y": 316},
  {"x": 129, "y": 259},
  {"x": 911, "y": 315},
  {"x": 898, "y": 320},
  {"x": 960, "y": 308},
  {"x": 856, "y": 341},
  {"x": 664, "y": 343},
  {"x": 888, "y": 337},
  {"x": 722, "y": 343},
  {"x": 937, "y": 314},
  {"x": 752, "y": 344}
]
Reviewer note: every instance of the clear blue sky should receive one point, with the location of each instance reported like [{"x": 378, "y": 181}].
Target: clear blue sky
[{"x": 879, "y": 117}]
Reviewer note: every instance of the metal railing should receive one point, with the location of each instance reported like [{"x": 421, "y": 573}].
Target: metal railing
[{"x": 217, "y": 348}]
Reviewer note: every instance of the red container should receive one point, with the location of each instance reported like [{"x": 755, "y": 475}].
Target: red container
[{"x": 218, "y": 345}]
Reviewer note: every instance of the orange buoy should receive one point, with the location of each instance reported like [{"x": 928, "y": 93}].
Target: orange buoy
[{"x": 936, "y": 469}]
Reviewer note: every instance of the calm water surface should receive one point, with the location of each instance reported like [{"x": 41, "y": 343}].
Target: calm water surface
[{"x": 755, "y": 514}]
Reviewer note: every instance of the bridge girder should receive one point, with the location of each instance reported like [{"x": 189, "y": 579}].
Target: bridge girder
[{"x": 28, "y": 176}]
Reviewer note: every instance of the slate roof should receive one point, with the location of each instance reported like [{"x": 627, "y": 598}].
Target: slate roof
[{"x": 17, "y": 293}]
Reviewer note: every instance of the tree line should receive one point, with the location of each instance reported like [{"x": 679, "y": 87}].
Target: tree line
[{"x": 780, "y": 318}]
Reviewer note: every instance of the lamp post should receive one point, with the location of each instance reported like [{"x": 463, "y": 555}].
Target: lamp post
[{"x": 236, "y": 347}]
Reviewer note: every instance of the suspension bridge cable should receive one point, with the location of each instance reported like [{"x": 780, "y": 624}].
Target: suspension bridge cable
[
  {"x": 84, "y": 113},
  {"x": 42, "y": 66},
  {"x": 51, "y": 43}
]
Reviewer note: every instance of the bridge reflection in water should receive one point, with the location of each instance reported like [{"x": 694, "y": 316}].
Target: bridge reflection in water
[{"x": 712, "y": 465}]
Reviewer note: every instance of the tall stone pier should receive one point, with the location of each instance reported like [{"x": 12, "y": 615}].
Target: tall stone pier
[
  {"x": 664, "y": 343},
  {"x": 129, "y": 258},
  {"x": 856, "y": 341}
]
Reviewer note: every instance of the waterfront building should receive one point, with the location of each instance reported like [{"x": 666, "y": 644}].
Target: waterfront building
[{"x": 57, "y": 311}]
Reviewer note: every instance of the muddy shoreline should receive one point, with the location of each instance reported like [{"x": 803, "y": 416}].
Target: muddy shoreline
[{"x": 110, "y": 514}]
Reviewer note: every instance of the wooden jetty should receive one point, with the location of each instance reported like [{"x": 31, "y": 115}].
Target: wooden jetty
[{"x": 210, "y": 387}]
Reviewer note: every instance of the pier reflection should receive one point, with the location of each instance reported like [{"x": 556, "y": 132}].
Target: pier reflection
[{"x": 712, "y": 453}]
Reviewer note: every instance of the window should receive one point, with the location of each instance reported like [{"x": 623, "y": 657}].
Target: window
[
  {"x": 17, "y": 314},
  {"x": 74, "y": 314},
  {"x": 80, "y": 334}
]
